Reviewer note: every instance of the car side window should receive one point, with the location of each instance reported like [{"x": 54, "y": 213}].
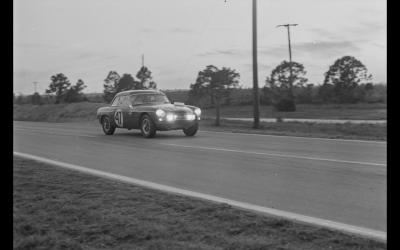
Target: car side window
[
  {"x": 115, "y": 102},
  {"x": 138, "y": 100},
  {"x": 132, "y": 99},
  {"x": 124, "y": 101}
]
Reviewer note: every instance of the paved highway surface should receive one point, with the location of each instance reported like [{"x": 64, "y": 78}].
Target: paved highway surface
[
  {"x": 329, "y": 121},
  {"x": 338, "y": 180}
]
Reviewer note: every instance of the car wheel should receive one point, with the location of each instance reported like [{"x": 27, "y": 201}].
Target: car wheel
[
  {"x": 147, "y": 127},
  {"x": 192, "y": 130},
  {"x": 108, "y": 127}
]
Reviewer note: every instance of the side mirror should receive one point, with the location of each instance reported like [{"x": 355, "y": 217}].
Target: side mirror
[{"x": 172, "y": 101}]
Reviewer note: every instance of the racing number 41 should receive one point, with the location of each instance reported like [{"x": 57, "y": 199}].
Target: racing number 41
[{"x": 118, "y": 118}]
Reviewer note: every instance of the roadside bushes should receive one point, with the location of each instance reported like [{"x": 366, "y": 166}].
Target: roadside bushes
[{"x": 285, "y": 104}]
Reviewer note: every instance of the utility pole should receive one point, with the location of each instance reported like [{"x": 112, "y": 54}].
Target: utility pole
[
  {"x": 142, "y": 60},
  {"x": 256, "y": 95},
  {"x": 290, "y": 56},
  {"x": 256, "y": 106}
]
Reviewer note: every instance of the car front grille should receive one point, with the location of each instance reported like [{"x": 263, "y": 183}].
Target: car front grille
[{"x": 180, "y": 115}]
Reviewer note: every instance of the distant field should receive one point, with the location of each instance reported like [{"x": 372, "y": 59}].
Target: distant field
[
  {"x": 83, "y": 111},
  {"x": 55, "y": 208},
  {"x": 87, "y": 111},
  {"x": 363, "y": 111}
]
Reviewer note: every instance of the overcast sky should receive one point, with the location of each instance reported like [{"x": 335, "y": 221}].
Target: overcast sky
[{"x": 85, "y": 39}]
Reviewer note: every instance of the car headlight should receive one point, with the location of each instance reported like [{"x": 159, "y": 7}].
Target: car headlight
[
  {"x": 190, "y": 117},
  {"x": 160, "y": 113},
  {"x": 197, "y": 111}
]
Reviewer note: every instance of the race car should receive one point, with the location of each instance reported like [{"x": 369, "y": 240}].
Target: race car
[{"x": 149, "y": 111}]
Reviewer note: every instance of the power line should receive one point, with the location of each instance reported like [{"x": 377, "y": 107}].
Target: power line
[
  {"x": 290, "y": 55},
  {"x": 288, "y": 30}
]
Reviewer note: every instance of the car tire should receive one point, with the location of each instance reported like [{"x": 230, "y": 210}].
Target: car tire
[
  {"x": 107, "y": 125},
  {"x": 191, "y": 131},
  {"x": 147, "y": 127}
]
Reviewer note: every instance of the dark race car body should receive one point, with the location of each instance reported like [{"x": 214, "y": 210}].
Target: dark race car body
[{"x": 148, "y": 110}]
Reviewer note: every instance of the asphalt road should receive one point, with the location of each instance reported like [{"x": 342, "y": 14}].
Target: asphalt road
[
  {"x": 338, "y": 180},
  {"x": 329, "y": 121}
]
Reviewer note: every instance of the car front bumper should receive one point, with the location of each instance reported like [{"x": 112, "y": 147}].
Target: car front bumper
[{"x": 174, "y": 125}]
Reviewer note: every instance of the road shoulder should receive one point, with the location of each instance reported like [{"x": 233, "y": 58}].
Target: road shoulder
[{"x": 55, "y": 207}]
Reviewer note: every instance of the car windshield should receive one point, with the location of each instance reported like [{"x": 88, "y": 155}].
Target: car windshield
[{"x": 149, "y": 99}]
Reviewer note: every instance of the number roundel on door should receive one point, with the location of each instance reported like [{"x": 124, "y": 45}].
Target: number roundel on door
[{"x": 119, "y": 119}]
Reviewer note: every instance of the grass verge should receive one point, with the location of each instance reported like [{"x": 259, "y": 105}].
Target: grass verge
[
  {"x": 361, "y": 111},
  {"x": 56, "y": 208},
  {"x": 82, "y": 111},
  {"x": 303, "y": 129},
  {"x": 86, "y": 111}
]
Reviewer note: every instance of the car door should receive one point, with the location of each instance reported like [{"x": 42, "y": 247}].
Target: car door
[
  {"x": 118, "y": 112},
  {"x": 135, "y": 101},
  {"x": 112, "y": 110},
  {"x": 123, "y": 114}
]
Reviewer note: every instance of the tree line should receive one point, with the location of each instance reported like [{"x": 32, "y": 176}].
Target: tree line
[
  {"x": 346, "y": 81},
  {"x": 60, "y": 89},
  {"x": 114, "y": 83}
]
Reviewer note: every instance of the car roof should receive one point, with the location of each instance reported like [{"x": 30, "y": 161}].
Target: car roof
[{"x": 142, "y": 91}]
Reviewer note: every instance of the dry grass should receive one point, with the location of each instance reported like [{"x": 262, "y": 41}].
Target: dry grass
[
  {"x": 83, "y": 111},
  {"x": 303, "y": 129},
  {"x": 86, "y": 111},
  {"x": 56, "y": 208},
  {"x": 362, "y": 111}
]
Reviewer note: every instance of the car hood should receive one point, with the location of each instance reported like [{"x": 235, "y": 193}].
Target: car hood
[{"x": 168, "y": 107}]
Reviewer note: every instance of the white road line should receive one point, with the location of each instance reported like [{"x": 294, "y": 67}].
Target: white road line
[
  {"x": 41, "y": 132},
  {"x": 47, "y": 129},
  {"x": 371, "y": 233},
  {"x": 274, "y": 154},
  {"x": 296, "y": 137},
  {"x": 248, "y": 134}
]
